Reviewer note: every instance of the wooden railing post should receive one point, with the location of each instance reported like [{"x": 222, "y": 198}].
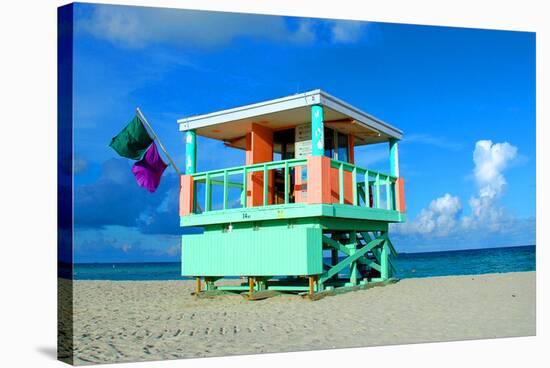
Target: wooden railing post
[
  {"x": 367, "y": 188},
  {"x": 225, "y": 190},
  {"x": 388, "y": 193},
  {"x": 354, "y": 185},
  {"x": 324, "y": 175},
  {"x": 245, "y": 190},
  {"x": 208, "y": 194},
  {"x": 341, "y": 182},
  {"x": 266, "y": 185},
  {"x": 377, "y": 191},
  {"x": 286, "y": 183}
]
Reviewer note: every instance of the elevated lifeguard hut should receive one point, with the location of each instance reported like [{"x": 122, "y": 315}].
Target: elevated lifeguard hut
[{"x": 299, "y": 215}]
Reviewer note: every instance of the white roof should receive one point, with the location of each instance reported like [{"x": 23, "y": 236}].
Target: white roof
[{"x": 287, "y": 112}]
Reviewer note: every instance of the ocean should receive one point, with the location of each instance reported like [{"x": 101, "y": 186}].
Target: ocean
[{"x": 408, "y": 265}]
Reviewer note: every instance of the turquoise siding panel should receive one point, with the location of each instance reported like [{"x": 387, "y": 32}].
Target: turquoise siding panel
[
  {"x": 317, "y": 131},
  {"x": 394, "y": 158},
  {"x": 273, "y": 251},
  {"x": 190, "y": 152}
]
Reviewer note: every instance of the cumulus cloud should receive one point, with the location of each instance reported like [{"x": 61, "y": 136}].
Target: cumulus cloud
[
  {"x": 490, "y": 162},
  {"x": 443, "y": 217},
  {"x": 138, "y": 27}
]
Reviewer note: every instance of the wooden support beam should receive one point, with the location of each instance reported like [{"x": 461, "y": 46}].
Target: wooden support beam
[
  {"x": 384, "y": 267},
  {"x": 352, "y": 246},
  {"x": 392, "y": 248},
  {"x": 352, "y": 258},
  {"x": 369, "y": 263},
  {"x": 335, "y": 245},
  {"x": 198, "y": 286},
  {"x": 251, "y": 285},
  {"x": 333, "y": 257},
  {"x": 392, "y": 267},
  {"x": 366, "y": 236}
]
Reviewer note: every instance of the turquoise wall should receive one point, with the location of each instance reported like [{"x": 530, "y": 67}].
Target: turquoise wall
[{"x": 265, "y": 251}]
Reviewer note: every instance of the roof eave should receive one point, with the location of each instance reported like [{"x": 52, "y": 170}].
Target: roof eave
[
  {"x": 361, "y": 117},
  {"x": 299, "y": 100}
]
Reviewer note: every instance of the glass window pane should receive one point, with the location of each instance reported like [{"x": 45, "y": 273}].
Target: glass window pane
[
  {"x": 329, "y": 142},
  {"x": 343, "y": 147}
]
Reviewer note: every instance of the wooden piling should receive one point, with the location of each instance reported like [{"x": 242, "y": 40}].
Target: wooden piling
[
  {"x": 250, "y": 285},
  {"x": 198, "y": 286}
]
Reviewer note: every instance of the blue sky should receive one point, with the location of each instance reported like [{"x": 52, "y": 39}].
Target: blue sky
[{"x": 465, "y": 99}]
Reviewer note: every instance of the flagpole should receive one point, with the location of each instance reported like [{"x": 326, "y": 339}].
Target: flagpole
[{"x": 142, "y": 118}]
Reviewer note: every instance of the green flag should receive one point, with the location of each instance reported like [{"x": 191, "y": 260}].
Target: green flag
[{"x": 132, "y": 141}]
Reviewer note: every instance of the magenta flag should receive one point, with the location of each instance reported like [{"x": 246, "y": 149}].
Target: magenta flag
[{"x": 149, "y": 169}]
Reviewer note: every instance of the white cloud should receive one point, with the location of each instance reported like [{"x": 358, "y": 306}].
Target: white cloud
[
  {"x": 347, "y": 31},
  {"x": 138, "y": 27},
  {"x": 440, "y": 218},
  {"x": 490, "y": 162},
  {"x": 443, "y": 215}
]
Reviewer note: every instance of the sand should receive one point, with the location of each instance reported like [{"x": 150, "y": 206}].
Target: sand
[{"x": 118, "y": 321}]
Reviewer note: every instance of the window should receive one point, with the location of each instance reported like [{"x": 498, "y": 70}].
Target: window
[
  {"x": 343, "y": 147},
  {"x": 336, "y": 145},
  {"x": 329, "y": 142},
  {"x": 283, "y": 144}
]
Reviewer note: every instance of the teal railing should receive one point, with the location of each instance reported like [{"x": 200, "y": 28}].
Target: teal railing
[
  {"x": 367, "y": 185},
  {"x": 221, "y": 177}
]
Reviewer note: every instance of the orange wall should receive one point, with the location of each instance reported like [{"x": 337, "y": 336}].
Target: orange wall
[
  {"x": 335, "y": 190},
  {"x": 186, "y": 195},
  {"x": 323, "y": 183},
  {"x": 330, "y": 189},
  {"x": 400, "y": 194},
  {"x": 259, "y": 148},
  {"x": 318, "y": 178}
]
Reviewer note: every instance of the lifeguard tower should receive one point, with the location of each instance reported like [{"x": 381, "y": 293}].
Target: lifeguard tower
[{"x": 299, "y": 215}]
